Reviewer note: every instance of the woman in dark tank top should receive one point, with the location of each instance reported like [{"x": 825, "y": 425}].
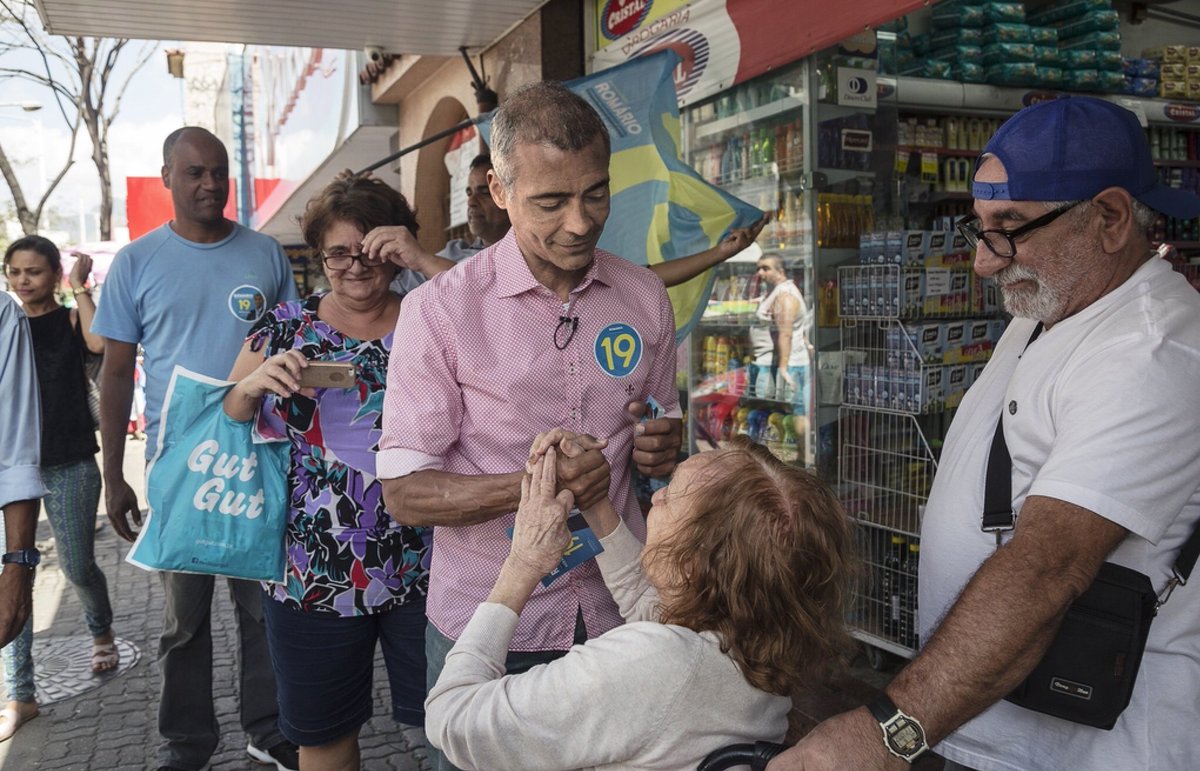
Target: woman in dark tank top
[{"x": 61, "y": 339}]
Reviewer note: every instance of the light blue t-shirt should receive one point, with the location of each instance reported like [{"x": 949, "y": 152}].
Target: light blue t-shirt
[{"x": 190, "y": 304}]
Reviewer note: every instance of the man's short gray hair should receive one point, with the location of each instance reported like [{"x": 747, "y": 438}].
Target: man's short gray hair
[
  {"x": 542, "y": 113},
  {"x": 1143, "y": 216}
]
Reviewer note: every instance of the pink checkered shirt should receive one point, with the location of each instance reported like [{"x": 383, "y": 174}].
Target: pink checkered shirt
[{"x": 475, "y": 375}]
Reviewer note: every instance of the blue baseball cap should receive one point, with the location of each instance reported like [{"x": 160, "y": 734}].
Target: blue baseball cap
[{"x": 1069, "y": 149}]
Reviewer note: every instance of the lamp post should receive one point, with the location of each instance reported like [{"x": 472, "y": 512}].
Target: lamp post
[{"x": 30, "y": 105}]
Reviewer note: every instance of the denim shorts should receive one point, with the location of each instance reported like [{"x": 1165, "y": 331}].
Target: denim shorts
[{"x": 324, "y": 666}]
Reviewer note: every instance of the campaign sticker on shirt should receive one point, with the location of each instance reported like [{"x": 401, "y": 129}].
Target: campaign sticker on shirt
[
  {"x": 247, "y": 302},
  {"x": 618, "y": 349}
]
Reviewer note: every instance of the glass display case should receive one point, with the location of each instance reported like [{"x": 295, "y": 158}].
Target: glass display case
[{"x": 747, "y": 374}]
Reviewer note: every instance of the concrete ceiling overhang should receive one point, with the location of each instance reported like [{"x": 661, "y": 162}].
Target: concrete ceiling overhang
[{"x": 425, "y": 27}]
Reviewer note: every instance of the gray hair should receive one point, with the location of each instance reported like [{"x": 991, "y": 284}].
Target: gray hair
[
  {"x": 1143, "y": 216},
  {"x": 542, "y": 113}
]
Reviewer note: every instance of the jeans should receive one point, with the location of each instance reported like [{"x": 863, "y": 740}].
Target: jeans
[
  {"x": 187, "y": 721},
  {"x": 74, "y": 493},
  {"x": 437, "y": 646}
]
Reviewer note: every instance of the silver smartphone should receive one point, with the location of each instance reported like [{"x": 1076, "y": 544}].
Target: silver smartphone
[{"x": 327, "y": 374}]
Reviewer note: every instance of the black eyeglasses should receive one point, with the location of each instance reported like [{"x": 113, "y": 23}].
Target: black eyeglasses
[
  {"x": 342, "y": 259},
  {"x": 1003, "y": 243}
]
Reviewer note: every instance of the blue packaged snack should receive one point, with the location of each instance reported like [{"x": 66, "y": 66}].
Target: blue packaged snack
[
  {"x": 1043, "y": 36},
  {"x": 1147, "y": 87},
  {"x": 1047, "y": 56},
  {"x": 1108, "y": 40},
  {"x": 997, "y": 13},
  {"x": 1007, "y": 53},
  {"x": 1083, "y": 59},
  {"x": 1005, "y": 32}
]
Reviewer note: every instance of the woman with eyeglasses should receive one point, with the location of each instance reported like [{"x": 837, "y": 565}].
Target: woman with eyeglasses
[{"x": 354, "y": 575}]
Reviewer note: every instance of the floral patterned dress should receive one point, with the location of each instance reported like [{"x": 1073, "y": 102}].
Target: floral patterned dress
[{"x": 345, "y": 555}]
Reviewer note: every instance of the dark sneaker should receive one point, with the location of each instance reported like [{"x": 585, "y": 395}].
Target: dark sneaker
[{"x": 285, "y": 756}]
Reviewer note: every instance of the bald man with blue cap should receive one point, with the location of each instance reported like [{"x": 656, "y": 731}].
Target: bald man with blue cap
[{"x": 1091, "y": 393}]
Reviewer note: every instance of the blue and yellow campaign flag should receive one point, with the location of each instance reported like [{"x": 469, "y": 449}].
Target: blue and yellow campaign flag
[{"x": 661, "y": 208}]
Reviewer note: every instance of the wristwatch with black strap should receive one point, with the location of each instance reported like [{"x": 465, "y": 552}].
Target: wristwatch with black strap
[
  {"x": 902, "y": 734},
  {"x": 26, "y": 557}
]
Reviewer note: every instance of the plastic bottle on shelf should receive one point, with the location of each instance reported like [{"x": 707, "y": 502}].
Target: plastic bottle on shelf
[
  {"x": 709, "y": 355},
  {"x": 789, "y": 452},
  {"x": 891, "y": 580},
  {"x": 768, "y": 152},
  {"x": 781, "y": 147},
  {"x": 773, "y": 434},
  {"x": 721, "y": 357},
  {"x": 908, "y": 595},
  {"x": 795, "y": 145}
]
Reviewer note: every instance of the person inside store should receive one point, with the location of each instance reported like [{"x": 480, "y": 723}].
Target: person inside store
[
  {"x": 779, "y": 337},
  {"x": 185, "y": 292},
  {"x": 539, "y": 329},
  {"x": 1099, "y": 417},
  {"x": 488, "y": 223},
  {"x": 354, "y": 577},
  {"x": 21, "y": 489},
  {"x": 61, "y": 338},
  {"x": 746, "y": 561}
]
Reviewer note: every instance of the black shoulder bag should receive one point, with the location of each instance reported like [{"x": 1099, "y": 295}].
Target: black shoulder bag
[{"x": 1087, "y": 674}]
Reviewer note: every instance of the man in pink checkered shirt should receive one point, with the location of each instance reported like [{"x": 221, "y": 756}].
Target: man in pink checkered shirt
[{"x": 540, "y": 330}]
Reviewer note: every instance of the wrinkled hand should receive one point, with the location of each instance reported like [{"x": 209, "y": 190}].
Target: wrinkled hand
[
  {"x": 656, "y": 442},
  {"x": 741, "y": 238},
  {"x": 540, "y": 534},
  {"x": 80, "y": 270},
  {"x": 582, "y": 467},
  {"x": 565, "y": 441},
  {"x": 849, "y": 740},
  {"x": 397, "y": 244},
  {"x": 16, "y": 601},
  {"x": 120, "y": 502},
  {"x": 279, "y": 374}
]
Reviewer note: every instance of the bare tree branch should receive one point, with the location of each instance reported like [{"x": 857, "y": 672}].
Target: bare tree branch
[{"x": 78, "y": 71}]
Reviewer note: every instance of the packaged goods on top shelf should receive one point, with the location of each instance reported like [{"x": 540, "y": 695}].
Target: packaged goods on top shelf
[{"x": 1178, "y": 69}]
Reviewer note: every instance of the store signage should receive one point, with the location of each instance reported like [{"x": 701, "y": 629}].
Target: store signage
[
  {"x": 1181, "y": 113},
  {"x": 620, "y": 17},
  {"x": 856, "y": 87},
  {"x": 745, "y": 37},
  {"x": 856, "y": 140},
  {"x": 693, "y": 50},
  {"x": 1031, "y": 98}
]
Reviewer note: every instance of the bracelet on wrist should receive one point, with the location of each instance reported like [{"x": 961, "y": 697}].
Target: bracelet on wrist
[{"x": 81, "y": 290}]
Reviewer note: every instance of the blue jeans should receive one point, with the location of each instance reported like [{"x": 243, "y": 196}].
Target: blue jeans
[
  {"x": 437, "y": 646},
  {"x": 324, "y": 665},
  {"x": 71, "y": 501}
]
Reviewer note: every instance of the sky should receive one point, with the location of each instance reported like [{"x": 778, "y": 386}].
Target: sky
[{"x": 151, "y": 109}]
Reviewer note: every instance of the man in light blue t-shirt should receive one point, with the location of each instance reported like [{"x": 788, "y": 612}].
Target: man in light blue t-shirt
[{"x": 189, "y": 293}]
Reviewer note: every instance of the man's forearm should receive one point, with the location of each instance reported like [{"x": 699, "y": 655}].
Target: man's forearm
[
  {"x": 427, "y": 498},
  {"x": 20, "y": 524},
  {"x": 997, "y": 631}
]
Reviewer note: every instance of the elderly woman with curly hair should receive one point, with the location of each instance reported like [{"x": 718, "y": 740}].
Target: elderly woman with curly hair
[
  {"x": 735, "y": 599},
  {"x": 354, "y": 576}
]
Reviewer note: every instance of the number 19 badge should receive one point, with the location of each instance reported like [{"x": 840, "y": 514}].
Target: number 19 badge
[{"x": 618, "y": 349}]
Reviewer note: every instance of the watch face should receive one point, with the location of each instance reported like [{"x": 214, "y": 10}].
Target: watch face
[{"x": 904, "y": 736}]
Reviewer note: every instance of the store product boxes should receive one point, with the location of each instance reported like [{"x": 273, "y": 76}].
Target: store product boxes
[
  {"x": 971, "y": 341},
  {"x": 957, "y": 381}
]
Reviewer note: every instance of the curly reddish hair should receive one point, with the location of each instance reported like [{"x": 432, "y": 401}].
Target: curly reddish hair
[{"x": 766, "y": 562}]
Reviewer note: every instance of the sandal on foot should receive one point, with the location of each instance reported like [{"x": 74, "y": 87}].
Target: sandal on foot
[
  {"x": 105, "y": 658},
  {"x": 11, "y": 719}
]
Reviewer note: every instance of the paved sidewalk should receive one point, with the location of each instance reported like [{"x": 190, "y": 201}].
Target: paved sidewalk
[{"x": 114, "y": 725}]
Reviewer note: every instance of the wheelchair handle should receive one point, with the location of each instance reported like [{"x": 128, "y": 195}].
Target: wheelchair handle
[{"x": 756, "y": 755}]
